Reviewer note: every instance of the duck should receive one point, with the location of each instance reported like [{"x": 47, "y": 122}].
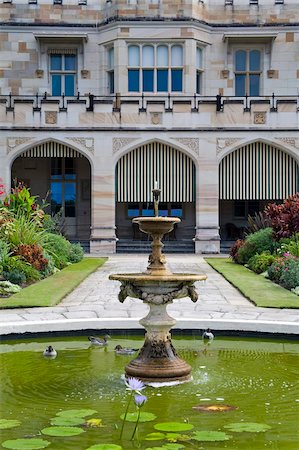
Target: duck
[
  {"x": 119, "y": 350},
  {"x": 99, "y": 341},
  {"x": 208, "y": 335},
  {"x": 50, "y": 351}
]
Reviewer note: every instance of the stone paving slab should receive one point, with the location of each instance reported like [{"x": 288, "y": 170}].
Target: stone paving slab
[{"x": 94, "y": 304}]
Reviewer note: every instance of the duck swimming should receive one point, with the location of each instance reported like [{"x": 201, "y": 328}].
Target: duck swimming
[
  {"x": 119, "y": 350},
  {"x": 99, "y": 341},
  {"x": 50, "y": 351},
  {"x": 208, "y": 335}
]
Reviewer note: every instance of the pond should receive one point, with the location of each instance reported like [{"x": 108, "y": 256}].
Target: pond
[{"x": 256, "y": 377}]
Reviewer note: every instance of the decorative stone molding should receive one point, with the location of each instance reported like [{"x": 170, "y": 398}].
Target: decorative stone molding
[
  {"x": 259, "y": 118},
  {"x": 224, "y": 73},
  {"x": 293, "y": 142},
  {"x": 85, "y": 73},
  {"x": 39, "y": 73},
  {"x": 221, "y": 144},
  {"x": 156, "y": 118},
  {"x": 86, "y": 143},
  {"x": 51, "y": 117},
  {"x": 191, "y": 143},
  {"x": 12, "y": 142},
  {"x": 119, "y": 143}
]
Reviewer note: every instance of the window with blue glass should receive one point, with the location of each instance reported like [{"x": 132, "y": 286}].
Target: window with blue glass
[
  {"x": 63, "y": 73},
  {"x": 247, "y": 72},
  {"x": 63, "y": 186},
  {"x": 155, "y": 68}
]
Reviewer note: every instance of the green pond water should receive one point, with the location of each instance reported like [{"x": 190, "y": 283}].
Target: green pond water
[{"x": 257, "y": 376}]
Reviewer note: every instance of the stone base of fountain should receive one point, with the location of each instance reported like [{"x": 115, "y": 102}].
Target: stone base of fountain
[{"x": 158, "y": 362}]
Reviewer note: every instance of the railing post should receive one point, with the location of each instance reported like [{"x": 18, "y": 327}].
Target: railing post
[
  {"x": 246, "y": 107},
  {"x": 273, "y": 107},
  {"x": 91, "y": 102},
  {"x": 219, "y": 105},
  {"x": 194, "y": 109}
]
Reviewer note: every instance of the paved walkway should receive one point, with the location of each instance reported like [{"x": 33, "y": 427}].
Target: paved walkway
[{"x": 94, "y": 304}]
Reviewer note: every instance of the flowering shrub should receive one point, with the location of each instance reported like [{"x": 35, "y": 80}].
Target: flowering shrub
[
  {"x": 258, "y": 242},
  {"x": 2, "y": 187},
  {"x": 289, "y": 245},
  {"x": 281, "y": 265},
  {"x": 284, "y": 217}
]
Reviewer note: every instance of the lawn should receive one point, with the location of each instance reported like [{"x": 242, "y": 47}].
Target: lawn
[
  {"x": 52, "y": 290},
  {"x": 259, "y": 290}
]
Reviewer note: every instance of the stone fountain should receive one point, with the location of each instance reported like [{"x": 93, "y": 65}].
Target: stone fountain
[{"x": 157, "y": 361}]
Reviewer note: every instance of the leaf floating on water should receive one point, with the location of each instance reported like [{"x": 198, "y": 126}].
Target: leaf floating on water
[
  {"x": 26, "y": 444},
  {"x": 155, "y": 437},
  {"x": 144, "y": 417},
  {"x": 67, "y": 421},
  {"x": 76, "y": 413},
  {"x": 214, "y": 408},
  {"x": 173, "y": 426},
  {"x": 94, "y": 423},
  {"x": 9, "y": 423},
  {"x": 105, "y": 447},
  {"x": 210, "y": 436},
  {"x": 62, "y": 431},
  {"x": 249, "y": 427}
]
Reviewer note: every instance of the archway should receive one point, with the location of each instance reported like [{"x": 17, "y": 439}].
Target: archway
[
  {"x": 249, "y": 178},
  {"x": 136, "y": 173},
  {"x": 62, "y": 175}
]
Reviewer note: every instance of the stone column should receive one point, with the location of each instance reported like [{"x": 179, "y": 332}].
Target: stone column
[
  {"x": 207, "y": 238},
  {"x": 103, "y": 239},
  {"x": 4, "y": 167}
]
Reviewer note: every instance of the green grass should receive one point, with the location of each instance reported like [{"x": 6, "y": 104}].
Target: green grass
[
  {"x": 259, "y": 290},
  {"x": 52, "y": 290}
]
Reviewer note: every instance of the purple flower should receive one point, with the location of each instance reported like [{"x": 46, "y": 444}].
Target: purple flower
[
  {"x": 140, "y": 400},
  {"x": 133, "y": 384}
]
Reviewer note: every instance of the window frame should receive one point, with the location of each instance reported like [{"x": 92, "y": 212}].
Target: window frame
[
  {"x": 63, "y": 72},
  {"x": 110, "y": 70},
  {"x": 64, "y": 180},
  {"x": 247, "y": 72},
  {"x": 199, "y": 71},
  {"x": 141, "y": 69}
]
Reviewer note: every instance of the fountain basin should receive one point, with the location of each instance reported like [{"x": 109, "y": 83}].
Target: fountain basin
[{"x": 160, "y": 225}]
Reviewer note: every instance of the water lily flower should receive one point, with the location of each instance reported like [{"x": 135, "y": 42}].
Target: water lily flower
[
  {"x": 133, "y": 384},
  {"x": 140, "y": 400}
]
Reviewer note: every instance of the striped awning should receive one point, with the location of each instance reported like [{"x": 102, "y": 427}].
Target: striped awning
[
  {"x": 258, "y": 171},
  {"x": 137, "y": 171},
  {"x": 51, "y": 150}
]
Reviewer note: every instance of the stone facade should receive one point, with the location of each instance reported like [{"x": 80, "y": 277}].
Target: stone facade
[{"x": 106, "y": 126}]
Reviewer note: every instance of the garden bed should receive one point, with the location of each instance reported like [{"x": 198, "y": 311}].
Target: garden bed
[
  {"x": 50, "y": 291},
  {"x": 259, "y": 290}
]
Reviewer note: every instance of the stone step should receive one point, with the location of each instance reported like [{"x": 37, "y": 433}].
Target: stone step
[{"x": 130, "y": 246}]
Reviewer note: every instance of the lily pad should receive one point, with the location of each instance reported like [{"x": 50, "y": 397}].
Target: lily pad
[
  {"x": 67, "y": 421},
  {"x": 9, "y": 423},
  {"x": 210, "y": 436},
  {"x": 144, "y": 417},
  {"x": 250, "y": 427},
  {"x": 173, "y": 446},
  {"x": 105, "y": 447},
  {"x": 155, "y": 437},
  {"x": 26, "y": 444},
  {"x": 62, "y": 431},
  {"x": 76, "y": 413},
  {"x": 173, "y": 426}
]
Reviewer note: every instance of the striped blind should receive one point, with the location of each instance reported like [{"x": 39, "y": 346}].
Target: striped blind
[
  {"x": 51, "y": 150},
  {"x": 258, "y": 171},
  {"x": 137, "y": 171}
]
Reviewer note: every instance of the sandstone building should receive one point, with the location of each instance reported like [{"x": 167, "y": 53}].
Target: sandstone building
[{"x": 101, "y": 98}]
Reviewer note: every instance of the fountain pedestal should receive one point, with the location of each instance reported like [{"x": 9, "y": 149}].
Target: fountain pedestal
[{"x": 157, "y": 361}]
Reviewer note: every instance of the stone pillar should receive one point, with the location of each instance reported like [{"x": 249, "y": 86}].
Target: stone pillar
[
  {"x": 103, "y": 239},
  {"x": 5, "y": 168},
  {"x": 207, "y": 238}
]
